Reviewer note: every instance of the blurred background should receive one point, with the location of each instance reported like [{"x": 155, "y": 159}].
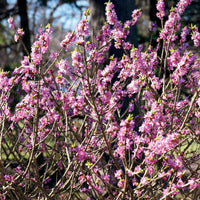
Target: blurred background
[{"x": 63, "y": 15}]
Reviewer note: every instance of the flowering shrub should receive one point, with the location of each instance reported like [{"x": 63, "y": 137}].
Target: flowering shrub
[{"x": 68, "y": 137}]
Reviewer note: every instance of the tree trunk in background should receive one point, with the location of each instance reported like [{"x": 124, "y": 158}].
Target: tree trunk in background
[
  {"x": 123, "y": 9},
  {"x": 3, "y": 4},
  {"x": 22, "y": 5},
  {"x": 153, "y": 11},
  {"x": 97, "y": 16}
]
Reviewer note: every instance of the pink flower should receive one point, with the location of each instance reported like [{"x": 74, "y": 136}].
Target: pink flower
[
  {"x": 111, "y": 16},
  {"x": 69, "y": 39},
  {"x": 121, "y": 183},
  {"x": 11, "y": 22},
  {"x": 182, "y": 4},
  {"x": 16, "y": 37},
  {"x": 63, "y": 67},
  {"x": 171, "y": 26},
  {"x": 184, "y": 33},
  {"x": 81, "y": 154},
  {"x": 193, "y": 183},
  {"x": 82, "y": 179},
  {"x": 144, "y": 181},
  {"x": 36, "y": 54},
  {"x": 136, "y": 14},
  {"x": 130, "y": 172},
  {"x": 161, "y": 8},
  {"x": 80, "y": 41},
  {"x": 196, "y": 36},
  {"x": 133, "y": 87},
  {"x": 54, "y": 55},
  {"x": 20, "y": 31},
  {"x": 82, "y": 29},
  {"x": 121, "y": 151},
  {"x": 106, "y": 178},
  {"x": 118, "y": 173},
  {"x": 137, "y": 169},
  {"x": 131, "y": 107},
  {"x": 9, "y": 178}
]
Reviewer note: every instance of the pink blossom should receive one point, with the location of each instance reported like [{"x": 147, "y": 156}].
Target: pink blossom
[
  {"x": 118, "y": 174},
  {"x": 182, "y": 4},
  {"x": 136, "y": 14},
  {"x": 137, "y": 169},
  {"x": 121, "y": 183},
  {"x": 81, "y": 154},
  {"x": 106, "y": 178},
  {"x": 193, "y": 183},
  {"x": 54, "y": 55},
  {"x": 111, "y": 16},
  {"x": 69, "y": 39},
  {"x": 184, "y": 33},
  {"x": 121, "y": 151},
  {"x": 82, "y": 29},
  {"x": 9, "y": 178},
  {"x": 11, "y": 22},
  {"x": 63, "y": 67},
  {"x": 36, "y": 54},
  {"x": 133, "y": 87},
  {"x": 16, "y": 37},
  {"x": 161, "y": 8},
  {"x": 144, "y": 181},
  {"x": 196, "y": 36},
  {"x": 20, "y": 31}
]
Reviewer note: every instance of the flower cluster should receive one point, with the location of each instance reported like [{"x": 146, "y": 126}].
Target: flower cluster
[
  {"x": 161, "y": 8},
  {"x": 196, "y": 36}
]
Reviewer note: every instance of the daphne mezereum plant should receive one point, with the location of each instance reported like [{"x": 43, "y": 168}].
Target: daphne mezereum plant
[{"x": 68, "y": 138}]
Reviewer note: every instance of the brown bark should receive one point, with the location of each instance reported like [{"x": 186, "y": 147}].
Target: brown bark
[{"x": 22, "y": 6}]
